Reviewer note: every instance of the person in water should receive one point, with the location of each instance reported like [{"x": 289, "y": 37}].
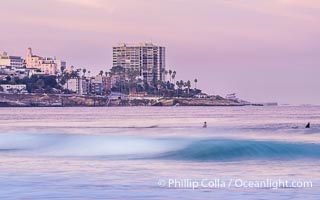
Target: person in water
[
  {"x": 205, "y": 125},
  {"x": 308, "y": 125}
]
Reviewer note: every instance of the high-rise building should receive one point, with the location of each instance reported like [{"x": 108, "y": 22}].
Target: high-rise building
[{"x": 146, "y": 58}]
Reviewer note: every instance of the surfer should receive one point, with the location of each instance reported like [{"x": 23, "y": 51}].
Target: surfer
[
  {"x": 308, "y": 125},
  {"x": 204, "y": 125},
  {"x": 154, "y": 126}
]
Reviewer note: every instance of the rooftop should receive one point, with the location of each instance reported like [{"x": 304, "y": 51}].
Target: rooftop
[{"x": 146, "y": 44}]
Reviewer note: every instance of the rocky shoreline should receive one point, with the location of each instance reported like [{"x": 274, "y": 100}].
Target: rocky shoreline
[{"x": 56, "y": 100}]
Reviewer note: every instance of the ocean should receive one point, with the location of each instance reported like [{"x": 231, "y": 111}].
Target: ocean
[{"x": 160, "y": 153}]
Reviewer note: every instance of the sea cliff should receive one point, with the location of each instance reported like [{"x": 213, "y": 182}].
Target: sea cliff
[{"x": 56, "y": 100}]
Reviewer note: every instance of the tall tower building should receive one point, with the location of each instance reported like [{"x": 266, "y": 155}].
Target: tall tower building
[{"x": 146, "y": 58}]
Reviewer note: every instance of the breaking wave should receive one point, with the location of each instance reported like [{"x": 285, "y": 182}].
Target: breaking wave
[
  {"x": 222, "y": 150},
  {"x": 149, "y": 148}
]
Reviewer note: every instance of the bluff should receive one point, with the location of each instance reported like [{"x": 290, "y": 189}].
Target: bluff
[{"x": 54, "y": 100}]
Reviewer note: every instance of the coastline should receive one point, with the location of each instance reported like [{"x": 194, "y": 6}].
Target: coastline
[{"x": 62, "y": 100}]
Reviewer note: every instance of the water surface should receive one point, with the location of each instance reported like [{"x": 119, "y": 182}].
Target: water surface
[{"x": 134, "y": 152}]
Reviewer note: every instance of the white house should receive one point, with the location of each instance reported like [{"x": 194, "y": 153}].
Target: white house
[{"x": 202, "y": 96}]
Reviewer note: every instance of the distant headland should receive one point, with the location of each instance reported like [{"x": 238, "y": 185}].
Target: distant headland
[
  {"x": 138, "y": 77},
  {"x": 72, "y": 100}
]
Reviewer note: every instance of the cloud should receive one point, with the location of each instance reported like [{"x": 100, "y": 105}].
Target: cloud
[
  {"x": 85, "y": 3},
  {"x": 312, "y": 4},
  {"x": 290, "y": 9},
  {"x": 107, "y": 6}
]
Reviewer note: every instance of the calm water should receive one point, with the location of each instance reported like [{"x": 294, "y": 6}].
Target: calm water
[{"x": 159, "y": 153}]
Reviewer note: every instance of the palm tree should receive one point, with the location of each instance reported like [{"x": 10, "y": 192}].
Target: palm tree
[
  {"x": 181, "y": 84},
  {"x": 188, "y": 85},
  {"x": 166, "y": 73},
  {"x": 101, "y": 73},
  {"x": 170, "y": 73},
  {"x": 178, "y": 84},
  {"x": 64, "y": 78},
  {"x": 195, "y": 83},
  {"x": 84, "y": 70},
  {"x": 106, "y": 73},
  {"x": 174, "y": 75},
  {"x": 89, "y": 72},
  {"x": 159, "y": 86}
]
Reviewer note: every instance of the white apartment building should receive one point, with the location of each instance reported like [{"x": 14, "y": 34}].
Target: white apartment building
[
  {"x": 146, "y": 58},
  {"x": 74, "y": 85},
  {"x": 12, "y": 61},
  {"x": 79, "y": 85}
]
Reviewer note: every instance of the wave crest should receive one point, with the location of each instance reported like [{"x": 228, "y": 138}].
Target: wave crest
[
  {"x": 221, "y": 150},
  {"x": 153, "y": 148}
]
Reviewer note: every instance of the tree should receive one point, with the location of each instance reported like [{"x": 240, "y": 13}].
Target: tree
[
  {"x": 8, "y": 78},
  {"x": 170, "y": 73},
  {"x": 166, "y": 73},
  {"x": 174, "y": 76},
  {"x": 133, "y": 74},
  {"x": 101, "y": 72},
  {"x": 159, "y": 86},
  {"x": 188, "y": 85},
  {"x": 40, "y": 83},
  {"x": 74, "y": 73},
  {"x": 12, "y": 81},
  {"x": 119, "y": 73},
  {"x": 181, "y": 84},
  {"x": 50, "y": 81},
  {"x": 178, "y": 83},
  {"x": 118, "y": 70},
  {"x": 84, "y": 71},
  {"x": 65, "y": 77},
  {"x": 195, "y": 83}
]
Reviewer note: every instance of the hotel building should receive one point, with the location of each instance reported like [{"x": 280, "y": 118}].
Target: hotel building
[
  {"x": 146, "y": 58},
  {"x": 49, "y": 66}
]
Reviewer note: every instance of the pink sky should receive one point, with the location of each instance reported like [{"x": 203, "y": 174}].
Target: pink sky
[{"x": 266, "y": 50}]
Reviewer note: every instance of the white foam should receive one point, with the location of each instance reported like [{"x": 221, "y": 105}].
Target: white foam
[{"x": 86, "y": 145}]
